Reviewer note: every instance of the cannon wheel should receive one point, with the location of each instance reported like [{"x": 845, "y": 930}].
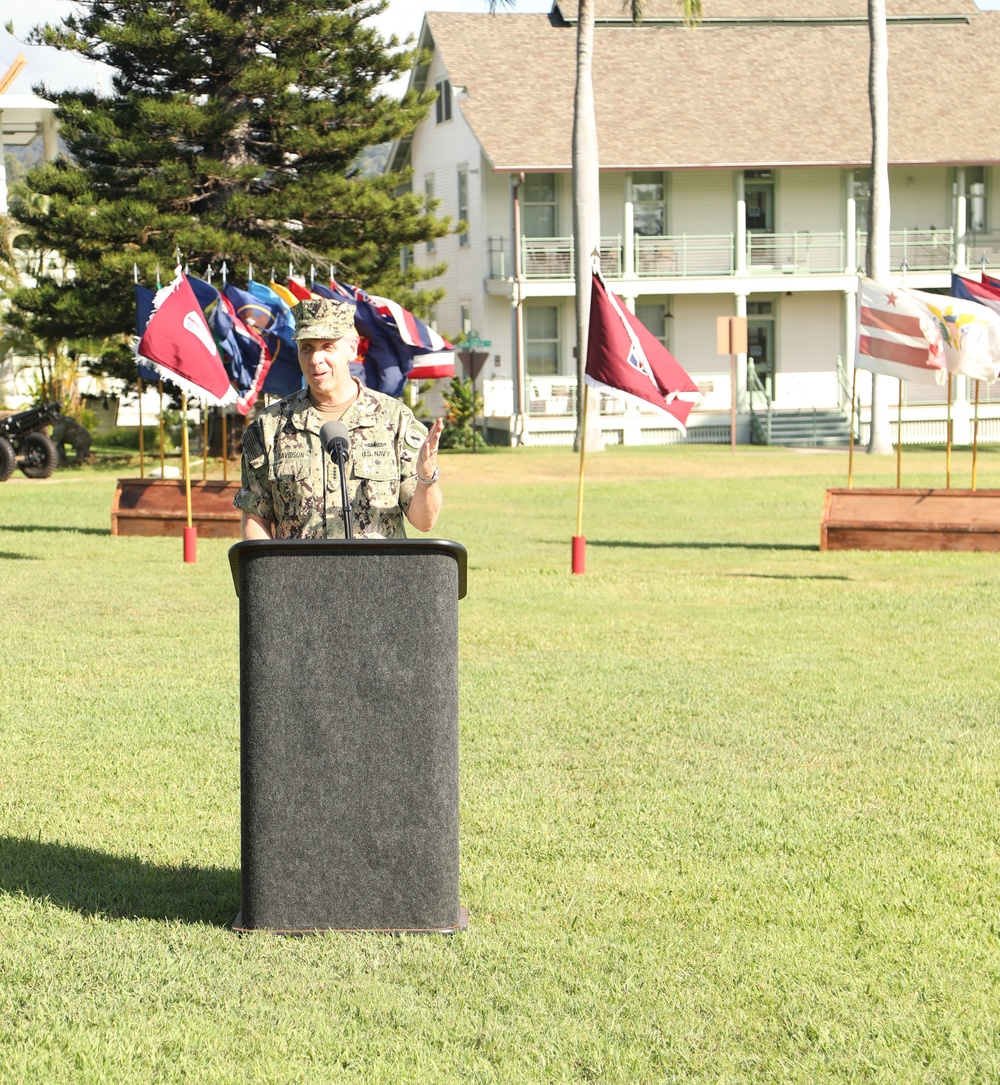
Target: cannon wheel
[
  {"x": 39, "y": 455},
  {"x": 8, "y": 460}
]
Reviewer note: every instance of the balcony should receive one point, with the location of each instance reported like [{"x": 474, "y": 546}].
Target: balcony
[{"x": 693, "y": 256}]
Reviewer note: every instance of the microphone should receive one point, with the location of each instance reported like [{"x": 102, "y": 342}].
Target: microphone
[{"x": 334, "y": 436}]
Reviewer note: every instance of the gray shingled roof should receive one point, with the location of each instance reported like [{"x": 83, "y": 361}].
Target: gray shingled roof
[{"x": 730, "y": 95}]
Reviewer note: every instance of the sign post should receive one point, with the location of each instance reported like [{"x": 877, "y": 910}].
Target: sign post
[
  {"x": 473, "y": 361},
  {"x": 731, "y": 339}
]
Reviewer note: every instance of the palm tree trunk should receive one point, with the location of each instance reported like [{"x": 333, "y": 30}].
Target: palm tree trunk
[
  {"x": 880, "y": 440},
  {"x": 586, "y": 215}
]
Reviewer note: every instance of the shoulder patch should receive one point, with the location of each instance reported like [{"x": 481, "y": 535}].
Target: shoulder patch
[
  {"x": 253, "y": 442},
  {"x": 415, "y": 437}
]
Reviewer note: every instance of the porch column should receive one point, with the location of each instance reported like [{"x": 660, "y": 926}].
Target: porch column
[
  {"x": 960, "y": 219},
  {"x": 741, "y": 241},
  {"x": 851, "y": 227},
  {"x": 742, "y": 402},
  {"x": 50, "y": 145},
  {"x": 628, "y": 252}
]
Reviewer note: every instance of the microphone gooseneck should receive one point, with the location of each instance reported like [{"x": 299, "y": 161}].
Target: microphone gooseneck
[{"x": 335, "y": 438}]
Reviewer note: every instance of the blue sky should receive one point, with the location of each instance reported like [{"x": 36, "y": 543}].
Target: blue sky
[{"x": 403, "y": 17}]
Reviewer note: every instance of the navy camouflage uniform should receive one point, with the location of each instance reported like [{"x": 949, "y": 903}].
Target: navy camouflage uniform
[{"x": 283, "y": 468}]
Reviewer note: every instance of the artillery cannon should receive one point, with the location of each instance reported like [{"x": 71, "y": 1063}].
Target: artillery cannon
[{"x": 24, "y": 445}]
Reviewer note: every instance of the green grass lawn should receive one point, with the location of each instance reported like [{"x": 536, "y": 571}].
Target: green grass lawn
[{"x": 729, "y": 804}]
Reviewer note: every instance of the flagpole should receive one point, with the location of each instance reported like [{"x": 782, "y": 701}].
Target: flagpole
[
  {"x": 579, "y": 560},
  {"x": 204, "y": 441},
  {"x": 899, "y": 436},
  {"x": 142, "y": 456},
  {"x": 947, "y": 458},
  {"x": 975, "y": 436},
  {"x": 190, "y": 534},
  {"x": 163, "y": 436},
  {"x": 850, "y": 447},
  {"x": 225, "y": 456}
]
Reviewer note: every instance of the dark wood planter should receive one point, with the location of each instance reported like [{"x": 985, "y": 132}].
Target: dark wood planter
[
  {"x": 144, "y": 506},
  {"x": 910, "y": 520}
]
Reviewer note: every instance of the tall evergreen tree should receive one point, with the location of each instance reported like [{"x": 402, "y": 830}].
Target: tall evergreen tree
[{"x": 233, "y": 134}]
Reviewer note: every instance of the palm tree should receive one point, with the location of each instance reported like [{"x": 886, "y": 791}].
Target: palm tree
[
  {"x": 879, "y": 439},
  {"x": 586, "y": 185}
]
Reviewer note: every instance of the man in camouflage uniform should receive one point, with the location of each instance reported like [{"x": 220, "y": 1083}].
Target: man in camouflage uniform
[{"x": 290, "y": 486}]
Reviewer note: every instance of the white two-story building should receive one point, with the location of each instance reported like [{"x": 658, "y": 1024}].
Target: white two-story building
[{"x": 735, "y": 180}]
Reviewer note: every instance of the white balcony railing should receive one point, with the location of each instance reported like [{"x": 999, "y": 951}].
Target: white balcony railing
[{"x": 689, "y": 256}]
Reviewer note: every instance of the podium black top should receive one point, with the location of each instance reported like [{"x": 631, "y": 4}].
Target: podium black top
[{"x": 402, "y": 547}]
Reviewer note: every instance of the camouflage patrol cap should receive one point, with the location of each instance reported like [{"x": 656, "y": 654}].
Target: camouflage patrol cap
[{"x": 323, "y": 318}]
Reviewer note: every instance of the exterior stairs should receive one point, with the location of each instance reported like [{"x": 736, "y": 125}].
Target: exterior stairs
[{"x": 812, "y": 428}]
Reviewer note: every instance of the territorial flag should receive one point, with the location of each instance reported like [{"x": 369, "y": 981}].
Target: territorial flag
[
  {"x": 625, "y": 359},
  {"x": 143, "y": 311},
  {"x": 989, "y": 281},
  {"x": 179, "y": 345},
  {"x": 974, "y": 291},
  {"x": 285, "y": 294},
  {"x": 970, "y": 332},
  {"x": 897, "y": 337}
]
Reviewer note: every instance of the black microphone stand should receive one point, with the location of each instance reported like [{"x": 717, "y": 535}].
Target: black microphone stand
[{"x": 340, "y": 452}]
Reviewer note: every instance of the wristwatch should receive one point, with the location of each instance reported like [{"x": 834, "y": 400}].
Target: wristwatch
[{"x": 429, "y": 481}]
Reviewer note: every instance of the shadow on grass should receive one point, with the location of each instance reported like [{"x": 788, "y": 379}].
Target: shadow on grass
[
  {"x": 94, "y": 883},
  {"x": 56, "y": 527},
  {"x": 702, "y": 545},
  {"x": 10, "y": 555},
  {"x": 788, "y": 576}
]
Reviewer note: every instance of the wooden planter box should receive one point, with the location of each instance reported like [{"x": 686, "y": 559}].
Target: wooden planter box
[
  {"x": 158, "y": 507},
  {"x": 910, "y": 520}
]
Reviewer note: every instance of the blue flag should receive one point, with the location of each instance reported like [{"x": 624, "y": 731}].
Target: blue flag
[
  {"x": 273, "y": 320},
  {"x": 143, "y": 311},
  {"x": 223, "y": 328}
]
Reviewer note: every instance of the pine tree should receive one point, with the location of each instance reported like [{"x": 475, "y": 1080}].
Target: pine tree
[{"x": 233, "y": 134}]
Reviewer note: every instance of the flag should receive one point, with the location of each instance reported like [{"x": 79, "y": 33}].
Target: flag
[
  {"x": 298, "y": 291},
  {"x": 255, "y": 360},
  {"x": 179, "y": 345},
  {"x": 897, "y": 337},
  {"x": 625, "y": 359},
  {"x": 220, "y": 320},
  {"x": 970, "y": 332},
  {"x": 266, "y": 314},
  {"x": 431, "y": 367},
  {"x": 395, "y": 339},
  {"x": 970, "y": 290},
  {"x": 989, "y": 281},
  {"x": 143, "y": 311},
  {"x": 285, "y": 294}
]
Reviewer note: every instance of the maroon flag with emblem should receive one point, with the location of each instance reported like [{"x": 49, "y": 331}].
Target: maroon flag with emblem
[
  {"x": 179, "y": 345},
  {"x": 625, "y": 359}
]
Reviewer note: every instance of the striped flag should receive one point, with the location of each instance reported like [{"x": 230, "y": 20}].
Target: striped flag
[
  {"x": 625, "y": 359},
  {"x": 897, "y": 337}
]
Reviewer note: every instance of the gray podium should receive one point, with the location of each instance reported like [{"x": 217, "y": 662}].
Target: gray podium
[{"x": 349, "y": 734}]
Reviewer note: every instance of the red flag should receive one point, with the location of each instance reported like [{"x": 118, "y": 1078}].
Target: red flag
[
  {"x": 179, "y": 345},
  {"x": 298, "y": 290},
  {"x": 624, "y": 358},
  {"x": 430, "y": 367}
]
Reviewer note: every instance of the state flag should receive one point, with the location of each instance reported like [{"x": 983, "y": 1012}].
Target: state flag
[
  {"x": 178, "y": 344},
  {"x": 625, "y": 359}
]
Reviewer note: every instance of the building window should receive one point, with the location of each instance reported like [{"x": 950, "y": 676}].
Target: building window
[
  {"x": 405, "y": 257},
  {"x": 465, "y": 317},
  {"x": 442, "y": 108},
  {"x": 649, "y": 213},
  {"x": 862, "y": 193},
  {"x": 541, "y": 340},
  {"x": 463, "y": 203},
  {"x": 538, "y": 205},
  {"x": 428, "y": 200},
  {"x": 758, "y": 191},
  {"x": 655, "y": 316}
]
